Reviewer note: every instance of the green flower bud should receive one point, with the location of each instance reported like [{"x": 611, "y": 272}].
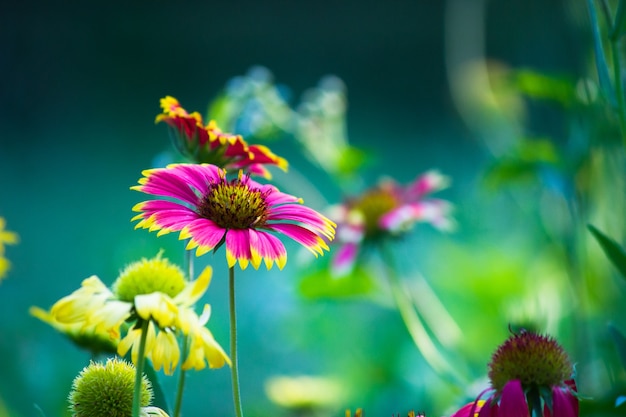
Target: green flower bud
[
  {"x": 147, "y": 276},
  {"x": 107, "y": 390}
]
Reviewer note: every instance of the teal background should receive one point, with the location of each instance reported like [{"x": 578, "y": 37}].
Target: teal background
[{"x": 80, "y": 88}]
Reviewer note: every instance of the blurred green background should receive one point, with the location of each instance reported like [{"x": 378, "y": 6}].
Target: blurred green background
[{"x": 80, "y": 88}]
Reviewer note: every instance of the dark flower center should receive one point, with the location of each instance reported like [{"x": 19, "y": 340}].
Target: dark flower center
[
  {"x": 535, "y": 360},
  {"x": 373, "y": 205},
  {"x": 234, "y": 205}
]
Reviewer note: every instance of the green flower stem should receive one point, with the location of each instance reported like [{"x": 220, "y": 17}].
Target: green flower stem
[
  {"x": 413, "y": 322},
  {"x": 181, "y": 380},
  {"x": 233, "y": 344},
  {"x": 139, "y": 368},
  {"x": 182, "y": 373}
]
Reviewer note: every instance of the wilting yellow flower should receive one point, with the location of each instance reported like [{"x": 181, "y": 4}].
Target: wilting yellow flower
[
  {"x": 152, "y": 291},
  {"x": 85, "y": 337}
]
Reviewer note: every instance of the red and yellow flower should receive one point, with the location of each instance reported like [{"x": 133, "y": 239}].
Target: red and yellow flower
[{"x": 206, "y": 143}]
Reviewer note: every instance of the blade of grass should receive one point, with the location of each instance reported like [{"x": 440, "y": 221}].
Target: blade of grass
[
  {"x": 616, "y": 30},
  {"x": 601, "y": 65},
  {"x": 620, "y": 343},
  {"x": 612, "y": 250}
]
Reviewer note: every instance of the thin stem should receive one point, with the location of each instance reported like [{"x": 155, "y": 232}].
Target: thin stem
[
  {"x": 619, "y": 85},
  {"x": 181, "y": 381},
  {"x": 233, "y": 343},
  {"x": 182, "y": 373},
  {"x": 189, "y": 257},
  {"x": 413, "y": 322},
  {"x": 139, "y": 368}
]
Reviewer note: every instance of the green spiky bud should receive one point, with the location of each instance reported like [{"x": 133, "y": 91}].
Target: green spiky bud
[{"x": 107, "y": 390}]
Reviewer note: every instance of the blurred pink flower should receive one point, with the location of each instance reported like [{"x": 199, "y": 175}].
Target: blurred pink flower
[
  {"x": 528, "y": 371},
  {"x": 387, "y": 210}
]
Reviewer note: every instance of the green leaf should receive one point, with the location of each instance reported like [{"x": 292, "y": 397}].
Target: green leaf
[
  {"x": 601, "y": 65},
  {"x": 321, "y": 284},
  {"x": 541, "y": 86},
  {"x": 351, "y": 160},
  {"x": 523, "y": 164},
  {"x": 620, "y": 343},
  {"x": 159, "y": 399},
  {"x": 612, "y": 250}
]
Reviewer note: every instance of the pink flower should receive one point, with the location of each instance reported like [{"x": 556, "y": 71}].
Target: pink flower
[
  {"x": 471, "y": 409},
  {"x": 528, "y": 372},
  {"x": 208, "y": 209},
  {"x": 385, "y": 210},
  {"x": 208, "y": 144}
]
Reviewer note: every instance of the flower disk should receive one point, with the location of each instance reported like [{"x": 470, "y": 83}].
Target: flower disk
[
  {"x": 148, "y": 276},
  {"x": 107, "y": 390},
  {"x": 373, "y": 205},
  {"x": 233, "y": 205},
  {"x": 533, "y": 359}
]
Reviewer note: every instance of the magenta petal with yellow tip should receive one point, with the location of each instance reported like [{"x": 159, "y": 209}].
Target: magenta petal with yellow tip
[
  {"x": 469, "y": 410},
  {"x": 490, "y": 409}
]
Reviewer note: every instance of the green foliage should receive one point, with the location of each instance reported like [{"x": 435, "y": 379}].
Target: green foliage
[
  {"x": 620, "y": 342},
  {"x": 612, "y": 250},
  {"x": 617, "y": 29},
  {"x": 601, "y": 63},
  {"x": 523, "y": 164},
  {"x": 321, "y": 284},
  {"x": 351, "y": 160},
  {"x": 540, "y": 86},
  {"x": 158, "y": 399}
]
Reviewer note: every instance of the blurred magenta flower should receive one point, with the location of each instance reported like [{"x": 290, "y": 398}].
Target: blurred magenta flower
[
  {"x": 208, "y": 209},
  {"x": 202, "y": 143},
  {"x": 529, "y": 372},
  {"x": 387, "y": 210}
]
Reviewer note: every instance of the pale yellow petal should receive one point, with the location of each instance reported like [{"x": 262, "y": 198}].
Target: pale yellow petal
[
  {"x": 158, "y": 307},
  {"x": 165, "y": 352},
  {"x": 195, "y": 289}
]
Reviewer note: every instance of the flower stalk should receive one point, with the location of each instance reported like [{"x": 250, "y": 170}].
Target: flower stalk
[
  {"x": 234, "y": 369},
  {"x": 183, "y": 373},
  {"x": 413, "y": 322},
  {"x": 139, "y": 368}
]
